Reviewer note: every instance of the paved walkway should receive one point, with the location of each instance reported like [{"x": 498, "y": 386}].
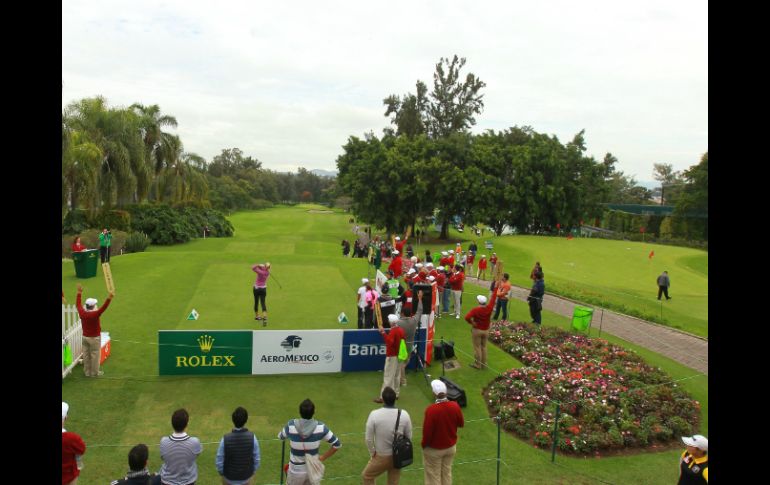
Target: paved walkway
[
  {"x": 681, "y": 347},
  {"x": 684, "y": 348}
]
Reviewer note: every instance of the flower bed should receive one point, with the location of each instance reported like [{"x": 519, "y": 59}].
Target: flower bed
[{"x": 611, "y": 399}]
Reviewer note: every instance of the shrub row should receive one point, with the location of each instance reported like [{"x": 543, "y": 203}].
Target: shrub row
[
  {"x": 161, "y": 223},
  {"x": 167, "y": 225}
]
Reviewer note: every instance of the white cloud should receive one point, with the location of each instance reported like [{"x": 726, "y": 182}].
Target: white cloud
[{"x": 289, "y": 82}]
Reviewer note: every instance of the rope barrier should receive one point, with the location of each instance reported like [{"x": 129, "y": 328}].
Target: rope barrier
[
  {"x": 156, "y": 344},
  {"x": 266, "y": 440}
]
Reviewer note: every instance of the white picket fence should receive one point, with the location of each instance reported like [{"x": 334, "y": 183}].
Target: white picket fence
[{"x": 72, "y": 334}]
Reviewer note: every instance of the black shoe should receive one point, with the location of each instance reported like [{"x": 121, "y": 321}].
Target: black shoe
[{"x": 668, "y": 298}]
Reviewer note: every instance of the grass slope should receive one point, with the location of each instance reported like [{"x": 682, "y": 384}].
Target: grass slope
[
  {"x": 157, "y": 289},
  {"x": 614, "y": 274}
]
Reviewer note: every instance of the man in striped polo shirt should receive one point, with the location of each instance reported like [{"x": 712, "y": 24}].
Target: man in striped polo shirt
[
  {"x": 305, "y": 436},
  {"x": 179, "y": 452}
]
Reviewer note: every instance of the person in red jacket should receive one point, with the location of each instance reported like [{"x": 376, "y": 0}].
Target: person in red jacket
[
  {"x": 72, "y": 447},
  {"x": 439, "y": 436},
  {"x": 479, "y": 318},
  {"x": 92, "y": 332},
  {"x": 391, "y": 374},
  {"x": 456, "y": 283},
  {"x": 397, "y": 264},
  {"x": 400, "y": 244},
  {"x": 440, "y": 284},
  {"x": 493, "y": 261},
  {"x": 482, "y": 272},
  {"x": 77, "y": 246}
]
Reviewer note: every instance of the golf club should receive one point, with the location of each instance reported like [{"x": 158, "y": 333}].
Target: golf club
[{"x": 276, "y": 280}]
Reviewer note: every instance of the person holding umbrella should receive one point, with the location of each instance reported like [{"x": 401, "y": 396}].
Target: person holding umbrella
[{"x": 260, "y": 290}]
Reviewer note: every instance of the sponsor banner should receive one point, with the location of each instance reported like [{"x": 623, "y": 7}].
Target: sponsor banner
[
  {"x": 364, "y": 350},
  {"x": 204, "y": 352},
  {"x": 296, "y": 351}
]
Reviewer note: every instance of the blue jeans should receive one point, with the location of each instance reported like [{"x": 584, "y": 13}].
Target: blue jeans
[
  {"x": 498, "y": 305},
  {"x": 445, "y": 299}
]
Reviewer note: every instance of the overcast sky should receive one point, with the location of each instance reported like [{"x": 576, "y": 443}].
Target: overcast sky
[{"x": 289, "y": 82}]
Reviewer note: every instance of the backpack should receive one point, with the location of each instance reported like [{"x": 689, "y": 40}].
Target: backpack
[{"x": 402, "y": 447}]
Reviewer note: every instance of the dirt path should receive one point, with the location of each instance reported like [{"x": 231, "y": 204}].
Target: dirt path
[{"x": 688, "y": 350}]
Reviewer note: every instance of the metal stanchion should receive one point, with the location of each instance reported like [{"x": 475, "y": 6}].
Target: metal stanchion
[
  {"x": 443, "y": 355},
  {"x": 498, "y": 450},
  {"x": 555, "y": 433},
  {"x": 601, "y": 320}
]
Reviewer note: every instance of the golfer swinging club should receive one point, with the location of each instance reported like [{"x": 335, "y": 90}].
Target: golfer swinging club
[{"x": 260, "y": 290}]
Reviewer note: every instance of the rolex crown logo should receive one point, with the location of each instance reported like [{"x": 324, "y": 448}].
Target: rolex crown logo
[{"x": 206, "y": 342}]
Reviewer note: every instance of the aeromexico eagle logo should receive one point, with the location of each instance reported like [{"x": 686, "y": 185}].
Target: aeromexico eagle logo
[
  {"x": 206, "y": 344},
  {"x": 291, "y": 342}
]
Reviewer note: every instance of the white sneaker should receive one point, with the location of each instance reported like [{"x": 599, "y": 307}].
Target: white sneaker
[{"x": 457, "y": 317}]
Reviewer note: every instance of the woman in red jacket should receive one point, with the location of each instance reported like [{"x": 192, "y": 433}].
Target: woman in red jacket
[{"x": 77, "y": 246}]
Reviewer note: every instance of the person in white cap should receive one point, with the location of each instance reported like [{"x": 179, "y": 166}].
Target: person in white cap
[
  {"x": 482, "y": 272},
  {"x": 72, "y": 447},
  {"x": 92, "y": 332},
  {"x": 456, "y": 284},
  {"x": 439, "y": 436},
  {"x": 400, "y": 244},
  {"x": 397, "y": 264},
  {"x": 694, "y": 462},
  {"x": 361, "y": 302},
  {"x": 479, "y": 318},
  {"x": 391, "y": 375}
]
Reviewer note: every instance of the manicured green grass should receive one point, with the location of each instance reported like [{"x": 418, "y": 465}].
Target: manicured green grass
[
  {"x": 617, "y": 275},
  {"x": 158, "y": 288}
]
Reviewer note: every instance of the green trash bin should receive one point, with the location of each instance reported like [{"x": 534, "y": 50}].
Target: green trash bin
[
  {"x": 85, "y": 263},
  {"x": 581, "y": 317}
]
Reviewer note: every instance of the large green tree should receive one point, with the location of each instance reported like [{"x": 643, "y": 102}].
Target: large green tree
[
  {"x": 449, "y": 109},
  {"x": 693, "y": 202}
]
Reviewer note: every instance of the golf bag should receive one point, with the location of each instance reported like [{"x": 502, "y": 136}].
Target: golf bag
[
  {"x": 454, "y": 392},
  {"x": 443, "y": 350}
]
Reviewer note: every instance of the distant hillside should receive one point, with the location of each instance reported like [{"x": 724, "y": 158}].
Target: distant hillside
[{"x": 323, "y": 173}]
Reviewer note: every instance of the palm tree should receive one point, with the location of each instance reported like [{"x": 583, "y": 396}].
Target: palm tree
[
  {"x": 179, "y": 180},
  {"x": 80, "y": 170},
  {"x": 117, "y": 133},
  {"x": 153, "y": 137}
]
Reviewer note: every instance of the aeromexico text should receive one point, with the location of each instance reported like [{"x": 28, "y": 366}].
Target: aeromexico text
[{"x": 291, "y": 358}]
